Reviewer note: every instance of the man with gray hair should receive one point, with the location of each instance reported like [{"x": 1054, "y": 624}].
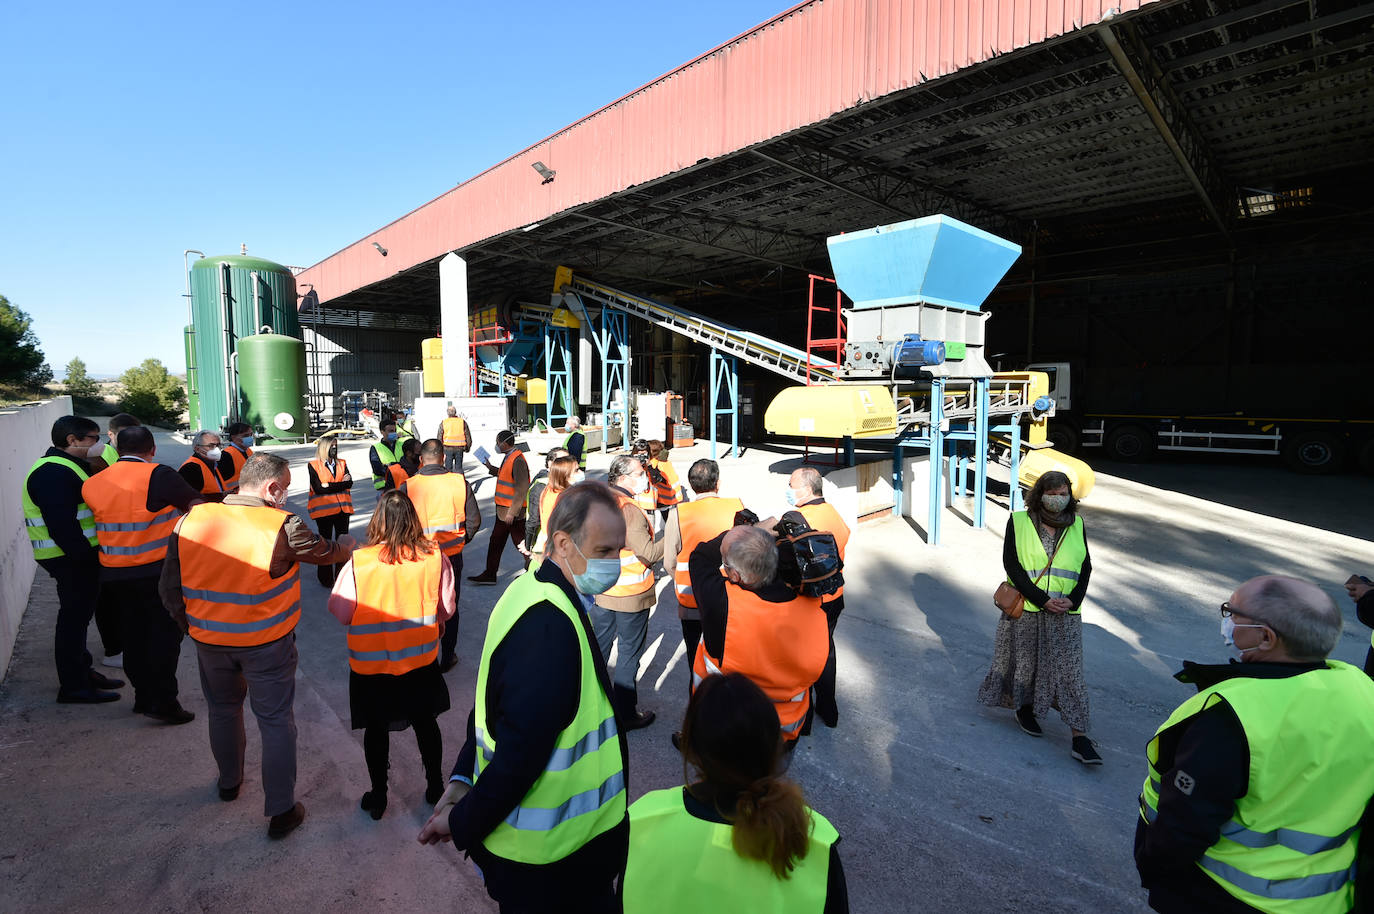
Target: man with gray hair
[
  {"x": 232, "y": 581},
  {"x": 201, "y": 469},
  {"x": 576, "y": 442},
  {"x": 753, "y": 623},
  {"x": 1256, "y": 786}
]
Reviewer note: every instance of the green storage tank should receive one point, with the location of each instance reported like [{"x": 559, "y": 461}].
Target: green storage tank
[
  {"x": 232, "y": 296},
  {"x": 271, "y": 380},
  {"x": 192, "y": 391}
]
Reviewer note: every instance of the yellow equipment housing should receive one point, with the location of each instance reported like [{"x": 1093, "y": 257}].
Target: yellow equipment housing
[
  {"x": 432, "y": 363},
  {"x": 832, "y": 411},
  {"x": 1038, "y": 462},
  {"x": 1038, "y": 386},
  {"x": 536, "y": 391}
]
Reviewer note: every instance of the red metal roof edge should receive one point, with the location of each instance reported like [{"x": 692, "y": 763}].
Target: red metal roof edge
[
  {"x": 586, "y": 117},
  {"x": 1013, "y": 20}
]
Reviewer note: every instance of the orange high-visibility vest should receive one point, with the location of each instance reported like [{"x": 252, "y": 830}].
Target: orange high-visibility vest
[
  {"x": 335, "y": 502},
  {"x": 395, "y": 626},
  {"x": 211, "y": 483},
  {"x": 454, "y": 436},
  {"x": 823, "y": 516},
  {"x": 781, "y": 647},
  {"x": 700, "y": 520},
  {"x": 505, "y": 478},
  {"x": 635, "y": 576},
  {"x": 238, "y": 459},
  {"x": 441, "y": 500},
  {"x": 548, "y": 500},
  {"x": 226, "y": 554},
  {"x": 665, "y": 492},
  {"x": 128, "y": 532},
  {"x": 397, "y": 475}
]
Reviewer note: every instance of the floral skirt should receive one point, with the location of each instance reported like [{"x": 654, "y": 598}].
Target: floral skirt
[{"x": 1037, "y": 660}]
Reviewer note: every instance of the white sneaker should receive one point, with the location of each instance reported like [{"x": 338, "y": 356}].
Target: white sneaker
[{"x": 114, "y": 662}]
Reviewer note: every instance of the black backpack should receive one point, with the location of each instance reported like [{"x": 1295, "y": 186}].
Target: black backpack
[{"x": 808, "y": 560}]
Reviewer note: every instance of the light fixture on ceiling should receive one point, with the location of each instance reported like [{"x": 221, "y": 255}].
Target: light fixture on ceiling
[
  {"x": 545, "y": 172},
  {"x": 380, "y": 250}
]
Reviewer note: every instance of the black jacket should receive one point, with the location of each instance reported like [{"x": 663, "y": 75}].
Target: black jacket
[
  {"x": 1212, "y": 756},
  {"x": 708, "y": 586},
  {"x": 533, "y": 690}
]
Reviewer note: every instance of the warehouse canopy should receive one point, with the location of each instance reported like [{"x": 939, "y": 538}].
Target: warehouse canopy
[{"x": 1059, "y": 123}]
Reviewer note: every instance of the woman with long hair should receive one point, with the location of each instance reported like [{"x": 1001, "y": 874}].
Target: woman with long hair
[
  {"x": 739, "y": 837},
  {"x": 563, "y": 473},
  {"x": 394, "y": 595},
  {"x": 331, "y": 498},
  {"x": 1037, "y": 659}
]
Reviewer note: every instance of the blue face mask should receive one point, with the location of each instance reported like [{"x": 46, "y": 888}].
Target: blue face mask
[
  {"x": 248, "y": 441},
  {"x": 600, "y": 576},
  {"x": 390, "y": 436},
  {"x": 791, "y": 496}
]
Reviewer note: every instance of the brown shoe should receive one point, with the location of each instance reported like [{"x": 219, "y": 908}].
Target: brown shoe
[{"x": 284, "y": 824}]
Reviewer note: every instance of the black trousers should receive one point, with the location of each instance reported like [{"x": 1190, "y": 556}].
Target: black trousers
[
  {"x": 152, "y": 642},
  {"x": 826, "y": 708},
  {"x": 448, "y": 641},
  {"x": 500, "y": 532},
  {"x": 377, "y": 752},
  {"x": 331, "y": 527},
  {"x": 691, "y": 637},
  {"x": 78, "y": 589},
  {"x": 109, "y": 623}
]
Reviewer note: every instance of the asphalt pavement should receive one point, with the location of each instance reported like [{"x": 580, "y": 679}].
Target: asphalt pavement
[{"x": 943, "y": 805}]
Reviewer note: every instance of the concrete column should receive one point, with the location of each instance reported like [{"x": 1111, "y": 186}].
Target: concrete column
[{"x": 453, "y": 319}]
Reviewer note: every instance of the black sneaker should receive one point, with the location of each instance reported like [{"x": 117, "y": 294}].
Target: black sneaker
[
  {"x": 482, "y": 579},
  {"x": 1085, "y": 751},
  {"x": 101, "y": 681},
  {"x": 374, "y": 802},
  {"x": 85, "y": 696},
  {"x": 172, "y": 714},
  {"x": 639, "y": 720},
  {"x": 1025, "y": 719},
  {"x": 229, "y": 794}
]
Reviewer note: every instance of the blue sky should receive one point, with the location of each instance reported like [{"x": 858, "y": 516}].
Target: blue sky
[{"x": 135, "y": 131}]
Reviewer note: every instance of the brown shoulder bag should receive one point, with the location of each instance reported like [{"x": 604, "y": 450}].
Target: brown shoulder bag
[{"x": 1008, "y": 599}]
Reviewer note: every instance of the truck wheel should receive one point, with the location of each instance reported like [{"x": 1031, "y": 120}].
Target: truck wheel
[
  {"x": 1314, "y": 453},
  {"x": 1130, "y": 444},
  {"x": 1064, "y": 438}
]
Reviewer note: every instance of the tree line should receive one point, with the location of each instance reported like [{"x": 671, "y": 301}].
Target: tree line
[{"x": 148, "y": 391}]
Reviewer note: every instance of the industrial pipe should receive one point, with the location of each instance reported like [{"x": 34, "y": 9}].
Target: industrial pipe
[{"x": 227, "y": 318}]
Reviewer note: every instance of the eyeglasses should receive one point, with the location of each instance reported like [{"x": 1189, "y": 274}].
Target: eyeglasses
[{"x": 1227, "y": 611}]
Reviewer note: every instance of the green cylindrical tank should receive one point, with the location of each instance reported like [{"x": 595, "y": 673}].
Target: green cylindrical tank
[
  {"x": 272, "y": 389},
  {"x": 232, "y": 296},
  {"x": 192, "y": 391}
]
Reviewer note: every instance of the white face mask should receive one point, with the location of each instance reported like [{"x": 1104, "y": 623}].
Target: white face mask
[
  {"x": 96, "y": 449},
  {"x": 1228, "y": 631},
  {"x": 639, "y": 484},
  {"x": 213, "y": 454},
  {"x": 578, "y": 477}
]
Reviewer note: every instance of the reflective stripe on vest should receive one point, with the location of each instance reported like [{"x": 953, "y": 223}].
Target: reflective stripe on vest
[
  {"x": 453, "y": 433},
  {"x": 1290, "y": 844},
  {"x": 211, "y": 482},
  {"x": 387, "y": 456},
  {"x": 225, "y": 553},
  {"x": 823, "y": 516},
  {"x": 781, "y": 647},
  {"x": 665, "y": 492},
  {"x": 335, "y": 502},
  {"x": 130, "y": 535},
  {"x": 581, "y": 792},
  {"x": 395, "y": 624},
  {"x": 635, "y": 577},
  {"x": 678, "y": 863},
  {"x": 44, "y": 546},
  {"x": 698, "y": 521},
  {"x": 1068, "y": 561},
  {"x": 237, "y": 459},
  {"x": 441, "y": 501},
  {"x": 505, "y": 478}
]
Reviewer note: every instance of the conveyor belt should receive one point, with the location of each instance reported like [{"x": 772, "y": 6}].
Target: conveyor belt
[{"x": 776, "y": 357}]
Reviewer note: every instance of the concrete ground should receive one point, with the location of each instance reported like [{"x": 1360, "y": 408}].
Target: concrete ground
[{"x": 943, "y": 804}]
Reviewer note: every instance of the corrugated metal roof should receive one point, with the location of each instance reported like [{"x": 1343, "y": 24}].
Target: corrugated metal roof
[{"x": 807, "y": 64}]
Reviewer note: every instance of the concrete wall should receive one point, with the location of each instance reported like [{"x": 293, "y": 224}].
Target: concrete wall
[{"x": 24, "y": 436}]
